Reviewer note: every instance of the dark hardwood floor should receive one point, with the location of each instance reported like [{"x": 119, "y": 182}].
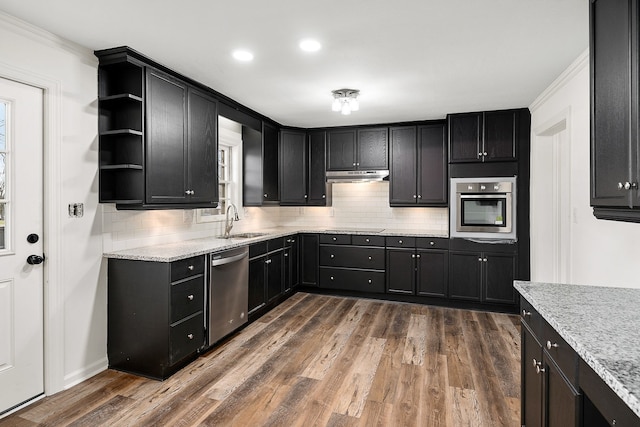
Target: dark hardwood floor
[{"x": 320, "y": 360}]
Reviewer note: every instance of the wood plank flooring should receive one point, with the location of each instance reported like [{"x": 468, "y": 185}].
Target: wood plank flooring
[{"x": 320, "y": 360}]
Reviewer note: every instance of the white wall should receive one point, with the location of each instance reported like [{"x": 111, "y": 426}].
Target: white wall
[
  {"x": 599, "y": 252},
  {"x": 76, "y": 278}
]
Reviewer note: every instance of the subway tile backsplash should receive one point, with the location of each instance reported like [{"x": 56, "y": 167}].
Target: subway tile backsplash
[{"x": 355, "y": 205}]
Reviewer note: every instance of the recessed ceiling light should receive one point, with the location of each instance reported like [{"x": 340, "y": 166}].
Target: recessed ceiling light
[
  {"x": 243, "y": 55},
  {"x": 310, "y": 45}
]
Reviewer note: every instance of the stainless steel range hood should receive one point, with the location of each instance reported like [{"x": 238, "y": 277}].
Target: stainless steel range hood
[{"x": 356, "y": 176}]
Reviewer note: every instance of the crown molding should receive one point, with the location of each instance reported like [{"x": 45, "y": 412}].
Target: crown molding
[
  {"x": 576, "y": 67},
  {"x": 40, "y": 35}
]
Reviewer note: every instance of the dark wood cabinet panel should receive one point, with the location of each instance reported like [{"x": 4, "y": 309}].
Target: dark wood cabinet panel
[
  {"x": 531, "y": 401},
  {"x": 252, "y": 167},
  {"x": 561, "y": 399},
  {"x": 401, "y": 271},
  {"x": 275, "y": 264},
  {"x": 465, "y": 137},
  {"x": 257, "y": 284},
  {"x": 614, "y": 143},
  {"x": 418, "y": 175},
  {"x": 500, "y": 135},
  {"x": 202, "y": 146},
  {"x": 270, "y": 171},
  {"x": 309, "y": 261},
  {"x": 341, "y": 150},
  {"x": 369, "y": 281},
  {"x": 352, "y": 257},
  {"x": 433, "y": 273},
  {"x": 403, "y": 171},
  {"x": 372, "y": 149},
  {"x": 166, "y": 139},
  {"x": 155, "y": 315},
  {"x": 499, "y": 272},
  {"x": 465, "y": 275},
  {"x": 293, "y": 166},
  {"x": 318, "y": 191},
  {"x": 433, "y": 182}
]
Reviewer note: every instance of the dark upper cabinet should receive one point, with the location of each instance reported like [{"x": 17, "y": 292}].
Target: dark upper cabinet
[
  {"x": 260, "y": 165},
  {"x": 341, "y": 150},
  {"x": 372, "y": 149},
  {"x": 418, "y": 165},
  {"x": 614, "y": 108},
  {"x": 293, "y": 167},
  {"x": 302, "y": 168},
  {"x": 490, "y": 136},
  {"x": 362, "y": 149},
  {"x": 270, "y": 163},
  {"x": 318, "y": 190},
  {"x": 158, "y": 136},
  {"x": 202, "y": 146}
]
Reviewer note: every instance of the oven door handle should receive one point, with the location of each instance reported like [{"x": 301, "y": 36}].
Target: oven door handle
[{"x": 484, "y": 196}]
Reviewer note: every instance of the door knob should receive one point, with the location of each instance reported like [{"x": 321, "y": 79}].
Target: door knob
[{"x": 35, "y": 259}]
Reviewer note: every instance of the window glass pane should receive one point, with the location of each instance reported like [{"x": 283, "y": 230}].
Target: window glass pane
[
  {"x": 3, "y": 127},
  {"x": 3, "y": 176},
  {"x": 2, "y": 213}
]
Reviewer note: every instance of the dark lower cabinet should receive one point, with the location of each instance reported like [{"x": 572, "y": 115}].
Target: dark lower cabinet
[
  {"x": 156, "y": 315},
  {"x": 482, "y": 276},
  {"x": 266, "y": 273},
  {"x": 432, "y": 275},
  {"x": 291, "y": 272},
  {"x": 401, "y": 268},
  {"x": 309, "y": 245},
  {"x": 548, "y": 398},
  {"x": 417, "y": 271}
]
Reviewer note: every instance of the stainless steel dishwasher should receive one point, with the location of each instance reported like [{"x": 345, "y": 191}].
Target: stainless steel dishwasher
[{"x": 228, "y": 292}]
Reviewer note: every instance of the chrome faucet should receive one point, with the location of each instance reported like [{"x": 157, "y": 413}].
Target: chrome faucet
[{"x": 228, "y": 225}]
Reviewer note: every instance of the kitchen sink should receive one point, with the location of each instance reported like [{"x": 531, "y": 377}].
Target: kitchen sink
[{"x": 244, "y": 235}]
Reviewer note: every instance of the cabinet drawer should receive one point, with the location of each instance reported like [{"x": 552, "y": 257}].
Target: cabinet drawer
[
  {"x": 401, "y": 242},
  {"x": 335, "y": 239},
  {"x": 432, "y": 243},
  {"x": 275, "y": 244},
  {"x": 564, "y": 356},
  {"x": 531, "y": 317},
  {"x": 352, "y": 280},
  {"x": 187, "y": 297},
  {"x": 257, "y": 249},
  {"x": 352, "y": 257},
  {"x": 187, "y": 267},
  {"x": 186, "y": 337},
  {"x": 361, "y": 240}
]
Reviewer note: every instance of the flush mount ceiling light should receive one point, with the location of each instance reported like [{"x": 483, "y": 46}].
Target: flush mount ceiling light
[
  {"x": 345, "y": 100},
  {"x": 242, "y": 55},
  {"x": 310, "y": 45}
]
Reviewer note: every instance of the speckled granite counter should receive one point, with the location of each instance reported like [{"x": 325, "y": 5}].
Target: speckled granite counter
[
  {"x": 170, "y": 252},
  {"x": 601, "y": 324}
]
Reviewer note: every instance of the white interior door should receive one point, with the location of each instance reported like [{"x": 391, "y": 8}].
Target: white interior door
[{"x": 21, "y": 220}]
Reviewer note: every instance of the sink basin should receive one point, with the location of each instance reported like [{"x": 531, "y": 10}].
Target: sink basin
[{"x": 244, "y": 235}]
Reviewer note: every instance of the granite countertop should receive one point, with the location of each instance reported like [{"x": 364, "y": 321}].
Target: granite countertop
[
  {"x": 169, "y": 252},
  {"x": 600, "y": 324}
]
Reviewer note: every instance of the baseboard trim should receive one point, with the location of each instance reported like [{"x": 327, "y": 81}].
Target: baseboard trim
[{"x": 89, "y": 371}]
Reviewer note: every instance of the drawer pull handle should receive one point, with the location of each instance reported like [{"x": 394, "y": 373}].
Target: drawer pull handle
[
  {"x": 432, "y": 243},
  {"x": 331, "y": 277},
  {"x": 370, "y": 281},
  {"x": 400, "y": 241},
  {"x": 367, "y": 240},
  {"x": 190, "y": 297},
  {"x": 331, "y": 256},
  {"x": 334, "y": 239},
  {"x": 190, "y": 268},
  {"x": 190, "y": 336},
  {"x": 370, "y": 258},
  {"x": 551, "y": 345},
  {"x": 526, "y": 313}
]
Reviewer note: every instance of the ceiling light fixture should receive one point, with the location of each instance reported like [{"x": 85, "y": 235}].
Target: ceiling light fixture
[
  {"x": 243, "y": 55},
  {"x": 310, "y": 45},
  {"x": 345, "y": 100}
]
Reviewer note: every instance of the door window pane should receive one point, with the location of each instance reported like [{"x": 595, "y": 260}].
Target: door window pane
[
  {"x": 4, "y": 184},
  {"x": 3, "y": 128},
  {"x": 2, "y": 235}
]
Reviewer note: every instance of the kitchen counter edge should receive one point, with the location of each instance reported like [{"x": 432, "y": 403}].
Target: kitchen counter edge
[{"x": 169, "y": 252}]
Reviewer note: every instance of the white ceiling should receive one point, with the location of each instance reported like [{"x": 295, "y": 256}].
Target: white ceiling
[{"x": 411, "y": 59}]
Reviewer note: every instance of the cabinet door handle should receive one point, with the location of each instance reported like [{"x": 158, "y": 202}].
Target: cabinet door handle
[
  {"x": 526, "y": 313},
  {"x": 354, "y": 164},
  {"x": 190, "y": 336},
  {"x": 190, "y": 297},
  {"x": 268, "y": 261},
  {"x": 414, "y": 196},
  {"x": 480, "y": 259},
  {"x": 286, "y": 255},
  {"x": 190, "y": 268},
  {"x": 551, "y": 345},
  {"x": 370, "y": 258},
  {"x": 418, "y": 256},
  {"x": 480, "y": 154},
  {"x": 305, "y": 196},
  {"x": 538, "y": 367},
  {"x": 484, "y": 154},
  {"x": 266, "y": 195},
  {"x": 370, "y": 281},
  {"x": 324, "y": 196},
  {"x": 419, "y": 196},
  {"x": 332, "y": 256},
  {"x": 413, "y": 255},
  {"x": 484, "y": 260},
  {"x": 331, "y": 277}
]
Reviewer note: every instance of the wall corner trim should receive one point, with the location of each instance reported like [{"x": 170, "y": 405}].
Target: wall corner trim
[{"x": 576, "y": 66}]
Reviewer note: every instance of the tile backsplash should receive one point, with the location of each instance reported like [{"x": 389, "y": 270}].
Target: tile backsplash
[{"x": 354, "y": 205}]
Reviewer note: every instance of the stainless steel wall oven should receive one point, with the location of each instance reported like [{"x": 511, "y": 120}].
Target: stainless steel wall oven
[{"x": 483, "y": 208}]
